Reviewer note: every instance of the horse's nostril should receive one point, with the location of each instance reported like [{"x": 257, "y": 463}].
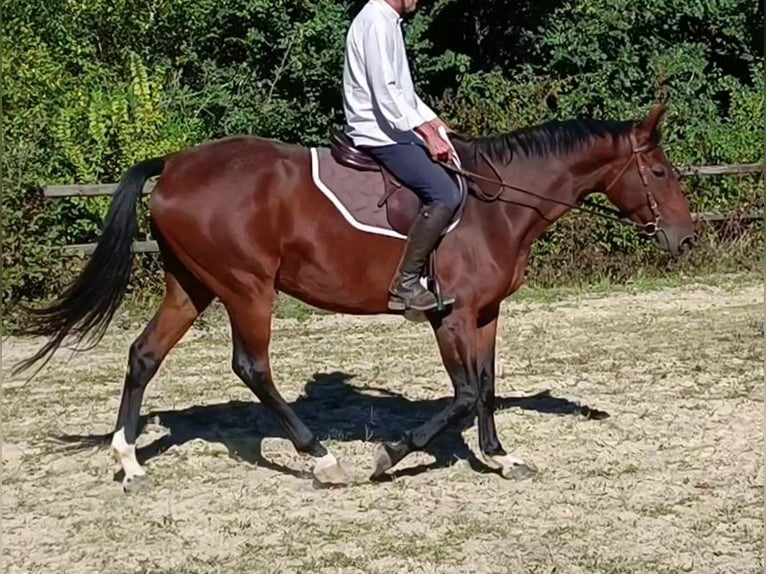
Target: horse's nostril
[{"x": 689, "y": 242}]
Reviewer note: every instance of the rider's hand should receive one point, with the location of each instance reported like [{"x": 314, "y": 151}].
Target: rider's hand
[
  {"x": 437, "y": 147},
  {"x": 438, "y": 122}
]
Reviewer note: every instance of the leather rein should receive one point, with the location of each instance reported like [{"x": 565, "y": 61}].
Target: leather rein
[{"x": 637, "y": 155}]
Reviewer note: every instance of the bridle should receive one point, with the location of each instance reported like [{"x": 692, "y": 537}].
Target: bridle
[{"x": 637, "y": 155}]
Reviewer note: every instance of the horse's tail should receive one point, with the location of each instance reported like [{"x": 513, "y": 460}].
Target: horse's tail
[{"x": 86, "y": 307}]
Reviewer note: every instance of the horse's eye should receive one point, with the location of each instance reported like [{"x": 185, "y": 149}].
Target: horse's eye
[{"x": 659, "y": 171}]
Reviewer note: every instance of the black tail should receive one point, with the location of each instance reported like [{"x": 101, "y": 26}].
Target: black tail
[{"x": 86, "y": 308}]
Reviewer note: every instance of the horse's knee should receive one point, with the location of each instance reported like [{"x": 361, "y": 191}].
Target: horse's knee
[
  {"x": 246, "y": 368},
  {"x": 142, "y": 363},
  {"x": 467, "y": 398}
]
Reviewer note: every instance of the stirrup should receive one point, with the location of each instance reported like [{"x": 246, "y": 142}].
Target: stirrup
[{"x": 439, "y": 302}]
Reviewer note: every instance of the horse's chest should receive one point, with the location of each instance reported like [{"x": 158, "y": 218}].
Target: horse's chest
[{"x": 518, "y": 271}]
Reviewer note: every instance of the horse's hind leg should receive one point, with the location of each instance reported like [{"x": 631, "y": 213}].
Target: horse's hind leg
[
  {"x": 251, "y": 334},
  {"x": 185, "y": 298}
]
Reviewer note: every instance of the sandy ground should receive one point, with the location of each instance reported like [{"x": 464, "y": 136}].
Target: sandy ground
[{"x": 671, "y": 481}]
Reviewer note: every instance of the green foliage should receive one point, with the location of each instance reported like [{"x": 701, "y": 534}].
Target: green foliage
[
  {"x": 70, "y": 118},
  {"x": 95, "y": 86},
  {"x": 488, "y": 102},
  {"x": 608, "y": 59}
]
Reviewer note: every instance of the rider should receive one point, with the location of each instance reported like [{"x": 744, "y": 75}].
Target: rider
[{"x": 386, "y": 117}]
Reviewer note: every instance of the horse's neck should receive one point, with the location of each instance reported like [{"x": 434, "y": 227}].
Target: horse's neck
[{"x": 565, "y": 180}]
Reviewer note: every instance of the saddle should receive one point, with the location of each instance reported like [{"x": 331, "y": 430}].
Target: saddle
[{"x": 402, "y": 204}]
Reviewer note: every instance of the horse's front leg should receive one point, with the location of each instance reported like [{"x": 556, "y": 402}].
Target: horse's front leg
[
  {"x": 456, "y": 338},
  {"x": 492, "y": 452}
]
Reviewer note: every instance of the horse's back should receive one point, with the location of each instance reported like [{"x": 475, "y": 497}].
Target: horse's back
[{"x": 224, "y": 167}]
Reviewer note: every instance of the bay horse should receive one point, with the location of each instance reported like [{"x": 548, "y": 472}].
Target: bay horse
[{"x": 241, "y": 219}]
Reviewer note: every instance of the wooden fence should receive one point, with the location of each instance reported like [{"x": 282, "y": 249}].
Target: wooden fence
[{"x": 105, "y": 189}]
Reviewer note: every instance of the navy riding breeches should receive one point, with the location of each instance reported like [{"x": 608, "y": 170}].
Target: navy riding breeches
[{"x": 413, "y": 166}]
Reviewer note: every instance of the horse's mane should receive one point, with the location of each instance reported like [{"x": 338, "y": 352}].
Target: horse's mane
[{"x": 543, "y": 140}]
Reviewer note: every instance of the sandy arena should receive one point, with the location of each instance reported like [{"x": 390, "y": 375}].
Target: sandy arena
[{"x": 642, "y": 411}]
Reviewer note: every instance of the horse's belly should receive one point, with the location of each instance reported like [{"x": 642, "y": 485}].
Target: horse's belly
[{"x": 339, "y": 269}]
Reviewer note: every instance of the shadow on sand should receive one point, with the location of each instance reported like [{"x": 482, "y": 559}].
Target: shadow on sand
[{"x": 331, "y": 407}]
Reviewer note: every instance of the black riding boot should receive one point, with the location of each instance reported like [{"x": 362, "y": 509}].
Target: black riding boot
[{"x": 406, "y": 292}]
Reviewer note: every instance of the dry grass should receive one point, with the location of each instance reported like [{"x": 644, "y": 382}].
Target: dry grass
[{"x": 670, "y": 482}]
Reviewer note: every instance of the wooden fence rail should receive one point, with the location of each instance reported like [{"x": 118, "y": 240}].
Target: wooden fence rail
[
  {"x": 734, "y": 169},
  {"x": 102, "y": 189},
  {"x": 106, "y": 189}
]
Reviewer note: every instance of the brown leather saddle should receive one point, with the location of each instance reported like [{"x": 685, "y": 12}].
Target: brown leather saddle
[{"x": 402, "y": 204}]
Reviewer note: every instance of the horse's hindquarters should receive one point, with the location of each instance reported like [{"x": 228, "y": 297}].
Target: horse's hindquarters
[{"x": 244, "y": 214}]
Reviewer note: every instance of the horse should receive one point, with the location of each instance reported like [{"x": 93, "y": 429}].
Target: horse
[{"x": 243, "y": 218}]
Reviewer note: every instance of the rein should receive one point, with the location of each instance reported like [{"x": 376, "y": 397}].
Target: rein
[{"x": 612, "y": 214}]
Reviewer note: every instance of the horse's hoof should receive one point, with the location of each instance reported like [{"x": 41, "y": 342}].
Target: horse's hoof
[
  {"x": 329, "y": 473},
  {"x": 383, "y": 461},
  {"x": 510, "y": 467},
  {"x": 518, "y": 472},
  {"x": 135, "y": 483}
]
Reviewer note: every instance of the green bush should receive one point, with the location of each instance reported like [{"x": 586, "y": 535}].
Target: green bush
[
  {"x": 95, "y": 86},
  {"x": 604, "y": 58}
]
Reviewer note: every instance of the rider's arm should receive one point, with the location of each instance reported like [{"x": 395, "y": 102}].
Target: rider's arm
[
  {"x": 379, "y": 53},
  {"x": 425, "y": 112}
]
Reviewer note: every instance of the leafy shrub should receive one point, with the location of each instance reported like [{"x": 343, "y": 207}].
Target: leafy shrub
[{"x": 96, "y": 86}]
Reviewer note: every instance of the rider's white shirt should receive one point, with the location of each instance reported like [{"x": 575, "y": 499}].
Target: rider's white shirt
[{"x": 379, "y": 98}]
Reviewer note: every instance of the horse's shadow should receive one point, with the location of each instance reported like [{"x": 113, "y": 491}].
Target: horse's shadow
[{"x": 332, "y": 408}]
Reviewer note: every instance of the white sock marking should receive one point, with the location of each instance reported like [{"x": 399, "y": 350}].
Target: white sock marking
[
  {"x": 324, "y": 462},
  {"x": 126, "y": 455},
  {"x": 505, "y": 461}
]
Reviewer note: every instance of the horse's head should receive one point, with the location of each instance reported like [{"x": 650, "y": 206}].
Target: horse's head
[{"x": 645, "y": 187}]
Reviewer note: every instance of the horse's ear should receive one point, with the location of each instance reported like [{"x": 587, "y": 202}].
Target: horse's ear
[{"x": 650, "y": 128}]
